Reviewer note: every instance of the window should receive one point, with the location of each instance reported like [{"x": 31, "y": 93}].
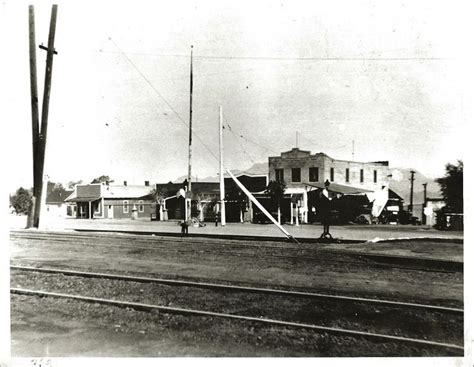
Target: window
[
  {"x": 347, "y": 174},
  {"x": 314, "y": 174},
  {"x": 295, "y": 174},
  {"x": 279, "y": 175},
  {"x": 375, "y": 176},
  {"x": 125, "y": 206},
  {"x": 331, "y": 173},
  {"x": 361, "y": 175},
  {"x": 141, "y": 207}
]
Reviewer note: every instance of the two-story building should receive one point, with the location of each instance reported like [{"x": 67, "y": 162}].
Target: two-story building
[{"x": 304, "y": 172}]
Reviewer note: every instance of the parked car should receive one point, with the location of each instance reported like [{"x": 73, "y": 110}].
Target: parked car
[
  {"x": 261, "y": 218},
  {"x": 450, "y": 221}
]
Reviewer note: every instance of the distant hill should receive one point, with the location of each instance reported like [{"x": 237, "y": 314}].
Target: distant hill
[
  {"x": 256, "y": 169},
  {"x": 400, "y": 183}
]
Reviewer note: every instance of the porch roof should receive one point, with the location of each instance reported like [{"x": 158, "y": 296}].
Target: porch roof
[
  {"x": 82, "y": 199},
  {"x": 340, "y": 189}
]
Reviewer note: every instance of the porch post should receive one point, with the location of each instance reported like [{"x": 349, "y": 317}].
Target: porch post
[
  {"x": 291, "y": 209},
  {"x": 90, "y": 210},
  {"x": 305, "y": 206},
  {"x": 250, "y": 210},
  {"x": 297, "y": 214}
]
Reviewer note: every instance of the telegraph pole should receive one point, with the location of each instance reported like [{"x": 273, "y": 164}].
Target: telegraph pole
[
  {"x": 39, "y": 136},
  {"x": 221, "y": 168},
  {"x": 352, "y": 150},
  {"x": 188, "y": 217},
  {"x": 412, "y": 178},
  {"x": 34, "y": 111},
  {"x": 423, "y": 216}
]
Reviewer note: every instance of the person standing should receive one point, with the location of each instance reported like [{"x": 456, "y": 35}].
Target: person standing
[
  {"x": 184, "y": 228},
  {"x": 325, "y": 210}
]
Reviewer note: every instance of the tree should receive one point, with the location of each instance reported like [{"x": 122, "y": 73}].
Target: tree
[
  {"x": 71, "y": 184},
  {"x": 21, "y": 201},
  {"x": 101, "y": 179},
  {"x": 157, "y": 195},
  {"x": 452, "y": 187},
  {"x": 276, "y": 191},
  {"x": 236, "y": 195}
]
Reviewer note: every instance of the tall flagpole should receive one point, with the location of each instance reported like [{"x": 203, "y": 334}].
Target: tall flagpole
[
  {"x": 188, "y": 217},
  {"x": 221, "y": 168}
]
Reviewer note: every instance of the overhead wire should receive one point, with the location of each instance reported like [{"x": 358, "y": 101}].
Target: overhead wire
[
  {"x": 163, "y": 98},
  {"x": 240, "y": 146},
  {"x": 276, "y": 58}
]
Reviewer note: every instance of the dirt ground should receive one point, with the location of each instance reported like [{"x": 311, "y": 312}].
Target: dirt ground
[{"x": 42, "y": 326}]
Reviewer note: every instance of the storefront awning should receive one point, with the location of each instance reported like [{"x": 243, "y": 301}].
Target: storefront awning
[
  {"x": 341, "y": 189},
  {"x": 82, "y": 199}
]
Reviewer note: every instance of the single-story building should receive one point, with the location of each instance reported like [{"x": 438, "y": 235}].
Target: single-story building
[
  {"x": 103, "y": 200},
  {"x": 205, "y": 199},
  {"x": 55, "y": 205}
]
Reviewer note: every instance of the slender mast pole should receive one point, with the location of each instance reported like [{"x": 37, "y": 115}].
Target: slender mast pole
[
  {"x": 221, "y": 168},
  {"x": 412, "y": 178},
  {"x": 188, "y": 216},
  {"x": 34, "y": 111}
]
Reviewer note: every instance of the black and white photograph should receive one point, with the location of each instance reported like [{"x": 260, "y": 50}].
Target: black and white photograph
[{"x": 280, "y": 181}]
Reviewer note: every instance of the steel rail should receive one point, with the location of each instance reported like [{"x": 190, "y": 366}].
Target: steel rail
[
  {"x": 239, "y": 288},
  {"x": 380, "y": 260},
  {"x": 184, "y": 311},
  {"x": 304, "y": 240},
  {"x": 454, "y": 266}
]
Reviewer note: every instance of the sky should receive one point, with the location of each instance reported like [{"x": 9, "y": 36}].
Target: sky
[{"x": 318, "y": 75}]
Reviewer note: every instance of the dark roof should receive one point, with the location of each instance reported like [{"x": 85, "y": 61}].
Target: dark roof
[
  {"x": 393, "y": 195},
  {"x": 196, "y": 188},
  {"x": 56, "y": 194}
]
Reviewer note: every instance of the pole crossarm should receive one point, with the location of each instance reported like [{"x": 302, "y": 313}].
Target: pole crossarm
[{"x": 46, "y": 49}]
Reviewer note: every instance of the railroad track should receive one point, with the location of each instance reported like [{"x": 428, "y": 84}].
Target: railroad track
[
  {"x": 364, "y": 305},
  {"x": 284, "y": 250}
]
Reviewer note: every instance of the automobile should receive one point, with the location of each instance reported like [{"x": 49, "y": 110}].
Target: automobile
[
  {"x": 450, "y": 221},
  {"x": 415, "y": 221},
  {"x": 261, "y": 218}
]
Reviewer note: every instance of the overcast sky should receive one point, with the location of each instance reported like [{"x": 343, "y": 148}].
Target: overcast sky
[{"x": 386, "y": 76}]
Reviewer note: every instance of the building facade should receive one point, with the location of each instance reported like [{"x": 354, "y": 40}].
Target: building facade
[
  {"x": 103, "y": 200},
  {"x": 205, "y": 199},
  {"x": 303, "y": 173},
  {"x": 298, "y": 167}
]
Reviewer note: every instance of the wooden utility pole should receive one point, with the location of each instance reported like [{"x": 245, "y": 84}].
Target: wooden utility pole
[
  {"x": 39, "y": 135},
  {"x": 34, "y": 110},
  {"x": 221, "y": 169},
  {"x": 352, "y": 150},
  {"x": 412, "y": 178},
  {"x": 188, "y": 215}
]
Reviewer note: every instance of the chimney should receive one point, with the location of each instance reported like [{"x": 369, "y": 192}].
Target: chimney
[
  {"x": 124, "y": 183},
  {"x": 147, "y": 183}
]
